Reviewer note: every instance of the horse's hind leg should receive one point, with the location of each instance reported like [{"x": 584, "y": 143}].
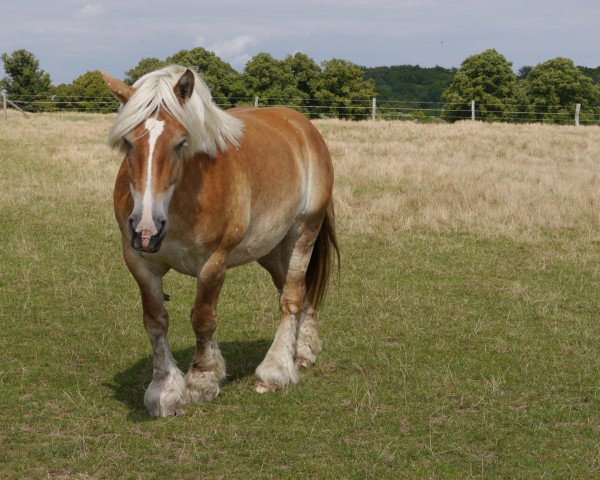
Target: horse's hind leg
[
  {"x": 287, "y": 264},
  {"x": 308, "y": 344},
  {"x": 165, "y": 394},
  {"x": 208, "y": 366}
]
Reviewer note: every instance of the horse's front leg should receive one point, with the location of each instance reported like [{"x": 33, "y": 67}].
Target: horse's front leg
[
  {"x": 165, "y": 395},
  {"x": 208, "y": 366}
]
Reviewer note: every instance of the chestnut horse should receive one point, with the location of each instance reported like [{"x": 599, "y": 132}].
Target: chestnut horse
[{"x": 201, "y": 190}]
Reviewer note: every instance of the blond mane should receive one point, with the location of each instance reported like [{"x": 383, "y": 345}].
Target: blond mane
[{"x": 210, "y": 128}]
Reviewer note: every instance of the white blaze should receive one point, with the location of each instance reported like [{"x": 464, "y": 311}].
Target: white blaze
[{"x": 155, "y": 128}]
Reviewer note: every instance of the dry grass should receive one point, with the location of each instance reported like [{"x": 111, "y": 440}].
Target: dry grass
[
  {"x": 518, "y": 181},
  {"x": 73, "y": 142},
  {"x": 490, "y": 179}
]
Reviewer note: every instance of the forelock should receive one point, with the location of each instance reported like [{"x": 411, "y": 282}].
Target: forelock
[{"x": 209, "y": 128}]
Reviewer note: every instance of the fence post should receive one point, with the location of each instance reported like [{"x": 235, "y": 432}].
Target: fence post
[
  {"x": 15, "y": 106},
  {"x": 374, "y": 109},
  {"x": 577, "y": 110},
  {"x": 4, "y": 104},
  {"x": 256, "y": 101},
  {"x": 473, "y": 110}
]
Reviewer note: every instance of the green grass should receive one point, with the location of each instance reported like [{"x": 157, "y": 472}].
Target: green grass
[{"x": 446, "y": 355}]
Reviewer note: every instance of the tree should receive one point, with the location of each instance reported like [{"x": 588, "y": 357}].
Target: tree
[
  {"x": 88, "y": 92},
  {"x": 144, "y": 66},
  {"x": 554, "y": 87},
  {"x": 24, "y": 80},
  {"x": 593, "y": 73},
  {"x": 488, "y": 79},
  {"x": 410, "y": 83},
  {"x": 272, "y": 80},
  {"x": 343, "y": 91},
  {"x": 305, "y": 70},
  {"x": 403, "y": 90},
  {"x": 524, "y": 71},
  {"x": 223, "y": 80}
]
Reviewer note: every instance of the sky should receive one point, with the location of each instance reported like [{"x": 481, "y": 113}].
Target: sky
[{"x": 70, "y": 37}]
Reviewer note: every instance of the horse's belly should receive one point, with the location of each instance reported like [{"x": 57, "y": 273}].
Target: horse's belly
[{"x": 256, "y": 244}]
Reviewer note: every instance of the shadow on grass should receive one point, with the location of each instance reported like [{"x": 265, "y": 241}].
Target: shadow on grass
[{"x": 129, "y": 385}]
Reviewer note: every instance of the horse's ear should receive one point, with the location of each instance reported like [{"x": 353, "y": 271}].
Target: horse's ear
[
  {"x": 185, "y": 86},
  {"x": 120, "y": 90}
]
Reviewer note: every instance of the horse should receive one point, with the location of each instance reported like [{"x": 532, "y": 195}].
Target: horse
[{"x": 201, "y": 190}]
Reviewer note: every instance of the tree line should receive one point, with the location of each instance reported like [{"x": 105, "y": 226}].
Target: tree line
[
  {"x": 410, "y": 83},
  {"x": 335, "y": 88},
  {"x": 338, "y": 88}
]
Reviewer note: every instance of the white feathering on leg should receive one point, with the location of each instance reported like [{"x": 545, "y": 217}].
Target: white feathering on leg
[
  {"x": 308, "y": 345},
  {"x": 203, "y": 386},
  {"x": 278, "y": 369},
  {"x": 165, "y": 396}
]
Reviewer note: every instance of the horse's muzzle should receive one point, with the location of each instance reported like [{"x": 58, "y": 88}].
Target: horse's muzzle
[{"x": 144, "y": 242}]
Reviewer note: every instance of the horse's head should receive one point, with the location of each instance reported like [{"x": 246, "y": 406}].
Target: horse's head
[{"x": 154, "y": 155}]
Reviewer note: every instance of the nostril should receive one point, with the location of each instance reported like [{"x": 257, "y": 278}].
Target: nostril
[
  {"x": 130, "y": 221},
  {"x": 162, "y": 222}
]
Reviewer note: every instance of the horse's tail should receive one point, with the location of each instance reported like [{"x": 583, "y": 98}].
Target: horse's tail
[{"x": 322, "y": 260}]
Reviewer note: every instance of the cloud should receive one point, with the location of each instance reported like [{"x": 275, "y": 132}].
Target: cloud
[
  {"x": 233, "y": 50},
  {"x": 234, "y": 47},
  {"x": 240, "y": 61},
  {"x": 90, "y": 10}
]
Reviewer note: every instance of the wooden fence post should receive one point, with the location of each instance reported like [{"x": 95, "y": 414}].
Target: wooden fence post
[
  {"x": 374, "y": 109},
  {"x": 473, "y": 110},
  {"x": 15, "y": 106},
  {"x": 256, "y": 101},
  {"x": 577, "y": 110}
]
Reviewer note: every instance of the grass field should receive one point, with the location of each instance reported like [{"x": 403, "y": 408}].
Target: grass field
[{"x": 461, "y": 341}]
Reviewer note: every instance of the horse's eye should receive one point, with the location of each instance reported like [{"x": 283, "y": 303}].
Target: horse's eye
[
  {"x": 128, "y": 145},
  {"x": 180, "y": 145}
]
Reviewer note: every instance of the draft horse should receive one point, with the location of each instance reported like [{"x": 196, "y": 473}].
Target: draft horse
[{"x": 201, "y": 190}]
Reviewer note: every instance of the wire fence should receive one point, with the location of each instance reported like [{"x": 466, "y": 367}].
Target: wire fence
[{"x": 355, "y": 109}]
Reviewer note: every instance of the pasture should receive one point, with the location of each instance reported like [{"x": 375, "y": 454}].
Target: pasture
[{"x": 462, "y": 339}]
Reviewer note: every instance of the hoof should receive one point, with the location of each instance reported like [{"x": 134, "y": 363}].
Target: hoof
[
  {"x": 166, "y": 411},
  {"x": 201, "y": 387},
  {"x": 264, "y": 387},
  {"x": 276, "y": 372},
  {"x": 165, "y": 396},
  {"x": 302, "y": 362}
]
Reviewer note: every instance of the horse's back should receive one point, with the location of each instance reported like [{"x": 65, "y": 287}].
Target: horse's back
[
  {"x": 295, "y": 147},
  {"x": 283, "y": 120}
]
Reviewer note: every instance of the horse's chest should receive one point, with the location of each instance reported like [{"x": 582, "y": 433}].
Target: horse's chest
[{"x": 178, "y": 256}]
